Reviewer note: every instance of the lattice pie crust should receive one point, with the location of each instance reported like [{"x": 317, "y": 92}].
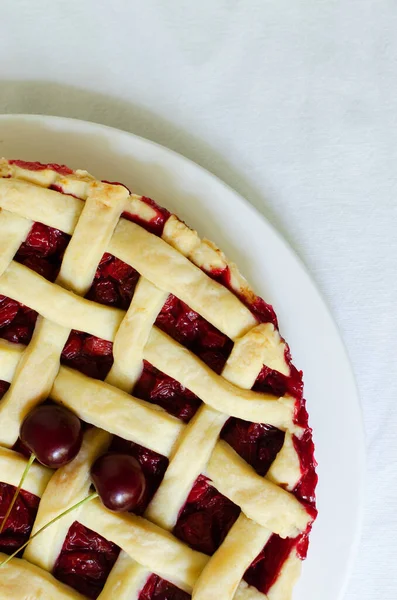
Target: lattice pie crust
[{"x": 90, "y": 211}]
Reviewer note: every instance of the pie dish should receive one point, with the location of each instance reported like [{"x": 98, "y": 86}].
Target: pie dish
[{"x": 114, "y": 308}]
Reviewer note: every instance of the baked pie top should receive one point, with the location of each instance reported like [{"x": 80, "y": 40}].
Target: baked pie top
[{"x": 114, "y": 308}]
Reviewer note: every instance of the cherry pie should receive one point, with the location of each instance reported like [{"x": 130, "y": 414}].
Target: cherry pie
[{"x": 114, "y": 308}]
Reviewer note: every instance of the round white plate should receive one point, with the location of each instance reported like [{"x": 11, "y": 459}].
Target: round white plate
[{"x": 221, "y": 215}]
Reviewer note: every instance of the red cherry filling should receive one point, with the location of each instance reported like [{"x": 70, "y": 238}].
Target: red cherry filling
[
  {"x": 86, "y": 560},
  {"x": 156, "y": 224},
  {"x": 88, "y": 354},
  {"x": 264, "y": 570},
  {"x": 206, "y": 517},
  {"x": 158, "y": 589},
  {"x": 156, "y": 387},
  {"x": 193, "y": 331},
  {"x": 16, "y": 321},
  {"x": 43, "y": 250},
  {"x": 273, "y": 382},
  {"x": 114, "y": 283},
  {"x": 20, "y": 522},
  {"x": 258, "y": 444},
  {"x": 263, "y": 312},
  {"x": 305, "y": 490},
  {"x": 36, "y": 166}
]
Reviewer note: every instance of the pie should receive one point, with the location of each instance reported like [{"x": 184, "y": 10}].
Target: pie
[{"x": 114, "y": 308}]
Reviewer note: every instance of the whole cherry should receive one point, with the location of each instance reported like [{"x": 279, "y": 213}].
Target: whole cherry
[
  {"x": 53, "y": 434},
  {"x": 119, "y": 481}
]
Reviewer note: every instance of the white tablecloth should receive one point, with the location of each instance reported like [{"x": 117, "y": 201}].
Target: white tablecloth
[{"x": 292, "y": 103}]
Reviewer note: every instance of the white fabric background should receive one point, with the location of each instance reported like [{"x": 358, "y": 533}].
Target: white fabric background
[{"x": 291, "y": 103}]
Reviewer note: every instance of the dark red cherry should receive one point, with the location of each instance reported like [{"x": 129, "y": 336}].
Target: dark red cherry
[
  {"x": 119, "y": 481},
  {"x": 53, "y": 434}
]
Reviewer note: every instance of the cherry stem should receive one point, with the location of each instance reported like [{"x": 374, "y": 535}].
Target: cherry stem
[
  {"x": 16, "y": 494},
  {"x": 67, "y": 511}
]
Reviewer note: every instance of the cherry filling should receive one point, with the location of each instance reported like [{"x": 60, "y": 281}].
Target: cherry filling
[
  {"x": 305, "y": 490},
  {"x": 36, "y": 166},
  {"x": 273, "y": 382},
  {"x": 264, "y": 570},
  {"x": 20, "y": 522},
  {"x": 43, "y": 250},
  {"x": 114, "y": 283},
  {"x": 190, "y": 329},
  {"x": 158, "y": 589},
  {"x": 207, "y": 515},
  {"x": 88, "y": 354},
  {"x": 16, "y": 321},
  {"x": 156, "y": 387},
  {"x": 156, "y": 224},
  {"x": 263, "y": 311},
  {"x": 258, "y": 444},
  {"x": 86, "y": 560}
]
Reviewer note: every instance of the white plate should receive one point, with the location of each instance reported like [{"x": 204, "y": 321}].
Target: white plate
[{"x": 220, "y": 214}]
